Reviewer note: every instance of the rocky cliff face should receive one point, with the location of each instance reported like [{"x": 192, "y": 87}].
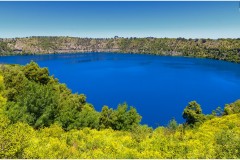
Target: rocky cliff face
[
  {"x": 223, "y": 49},
  {"x": 43, "y": 45}
]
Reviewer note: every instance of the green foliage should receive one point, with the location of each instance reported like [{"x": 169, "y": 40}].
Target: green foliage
[
  {"x": 4, "y": 48},
  {"x": 28, "y": 99},
  {"x": 218, "y": 112},
  {"x": 215, "y": 138},
  {"x": 35, "y": 98},
  {"x": 14, "y": 139},
  {"x": 88, "y": 117},
  {"x": 106, "y": 119},
  {"x": 35, "y": 104},
  {"x": 193, "y": 113},
  {"x": 172, "y": 125},
  {"x": 2, "y": 87},
  {"x": 14, "y": 81},
  {"x": 43, "y": 119},
  {"x": 232, "y": 108},
  {"x": 221, "y": 49},
  {"x": 119, "y": 119},
  {"x": 69, "y": 108},
  {"x": 36, "y": 74},
  {"x": 228, "y": 144},
  {"x": 46, "y": 43},
  {"x": 48, "y": 143},
  {"x": 141, "y": 132},
  {"x": 4, "y": 121}
]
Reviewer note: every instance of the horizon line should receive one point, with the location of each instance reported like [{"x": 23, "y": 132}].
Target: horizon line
[{"x": 119, "y": 37}]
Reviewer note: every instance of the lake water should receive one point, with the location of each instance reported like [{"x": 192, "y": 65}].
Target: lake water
[{"x": 160, "y": 87}]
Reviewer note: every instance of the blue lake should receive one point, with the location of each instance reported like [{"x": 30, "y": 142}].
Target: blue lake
[{"x": 160, "y": 87}]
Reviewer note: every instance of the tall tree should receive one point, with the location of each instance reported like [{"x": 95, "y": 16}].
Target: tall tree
[{"x": 193, "y": 113}]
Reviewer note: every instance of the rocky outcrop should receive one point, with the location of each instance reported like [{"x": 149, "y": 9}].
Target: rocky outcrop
[
  {"x": 222, "y": 49},
  {"x": 43, "y": 45}
]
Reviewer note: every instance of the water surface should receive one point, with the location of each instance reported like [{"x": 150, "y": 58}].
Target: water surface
[{"x": 159, "y": 87}]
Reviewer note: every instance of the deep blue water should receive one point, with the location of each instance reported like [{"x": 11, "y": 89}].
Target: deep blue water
[{"x": 160, "y": 87}]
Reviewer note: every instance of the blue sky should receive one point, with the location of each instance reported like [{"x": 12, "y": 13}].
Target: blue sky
[{"x": 127, "y": 19}]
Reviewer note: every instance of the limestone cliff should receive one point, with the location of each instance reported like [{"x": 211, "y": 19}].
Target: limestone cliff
[{"x": 223, "y": 49}]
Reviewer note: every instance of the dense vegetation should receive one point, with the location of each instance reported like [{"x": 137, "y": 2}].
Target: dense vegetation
[
  {"x": 41, "y": 118},
  {"x": 39, "y": 100},
  {"x": 222, "y": 49}
]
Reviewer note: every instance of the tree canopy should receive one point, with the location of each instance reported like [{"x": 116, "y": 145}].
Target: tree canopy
[
  {"x": 193, "y": 113},
  {"x": 35, "y": 98},
  {"x": 42, "y": 118}
]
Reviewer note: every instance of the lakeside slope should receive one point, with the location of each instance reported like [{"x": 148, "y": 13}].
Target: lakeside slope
[
  {"x": 42, "y": 119},
  {"x": 222, "y": 49}
]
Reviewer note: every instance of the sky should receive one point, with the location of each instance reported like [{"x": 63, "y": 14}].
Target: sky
[{"x": 123, "y": 19}]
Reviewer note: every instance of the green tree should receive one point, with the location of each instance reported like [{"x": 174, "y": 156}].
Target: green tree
[
  {"x": 70, "y": 107},
  {"x": 34, "y": 73},
  {"x": 36, "y": 105},
  {"x": 105, "y": 119},
  {"x": 14, "y": 81},
  {"x": 232, "y": 108},
  {"x": 88, "y": 117},
  {"x": 193, "y": 113},
  {"x": 124, "y": 119},
  {"x": 172, "y": 125},
  {"x": 121, "y": 118}
]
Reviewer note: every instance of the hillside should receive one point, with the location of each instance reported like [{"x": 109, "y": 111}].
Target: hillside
[
  {"x": 223, "y": 49},
  {"x": 216, "y": 138},
  {"x": 42, "y": 118}
]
